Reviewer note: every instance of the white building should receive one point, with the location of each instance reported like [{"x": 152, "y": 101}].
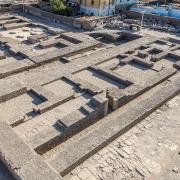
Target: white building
[{"x": 104, "y": 7}]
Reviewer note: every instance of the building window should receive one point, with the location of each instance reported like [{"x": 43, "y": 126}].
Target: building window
[{"x": 92, "y": 2}]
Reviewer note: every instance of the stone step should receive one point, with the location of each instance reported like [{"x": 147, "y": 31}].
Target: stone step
[
  {"x": 6, "y": 17},
  {"x": 10, "y": 89},
  {"x": 70, "y": 124},
  {"x": 68, "y": 155},
  {"x": 71, "y": 50},
  {"x": 112, "y": 75},
  {"x": 51, "y": 138},
  {"x": 9, "y": 21},
  {"x": 177, "y": 65},
  {"x": 53, "y": 42},
  {"x": 15, "y": 25},
  {"x": 48, "y": 105},
  {"x": 119, "y": 97},
  {"x": 2, "y": 56},
  {"x": 88, "y": 108},
  {"x": 15, "y": 67}
]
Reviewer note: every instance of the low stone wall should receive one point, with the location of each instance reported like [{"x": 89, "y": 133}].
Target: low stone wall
[
  {"x": 86, "y": 24},
  {"x": 166, "y": 19},
  {"x": 11, "y": 8},
  {"x": 58, "y": 18}
]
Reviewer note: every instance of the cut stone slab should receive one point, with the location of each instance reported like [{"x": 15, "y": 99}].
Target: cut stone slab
[
  {"x": 2, "y": 56},
  {"x": 8, "y": 21},
  {"x": 47, "y": 57},
  {"x": 27, "y": 164},
  {"x": 55, "y": 41},
  {"x": 15, "y": 67},
  {"x": 177, "y": 65},
  {"x": 10, "y": 89},
  {"x": 52, "y": 103},
  {"x": 16, "y": 25},
  {"x": 93, "y": 138}
]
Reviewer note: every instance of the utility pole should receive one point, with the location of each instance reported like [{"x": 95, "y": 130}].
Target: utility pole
[{"x": 142, "y": 19}]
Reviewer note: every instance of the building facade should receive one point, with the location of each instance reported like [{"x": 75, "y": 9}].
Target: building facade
[
  {"x": 100, "y": 7},
  {"x": 103, "y": 7}
]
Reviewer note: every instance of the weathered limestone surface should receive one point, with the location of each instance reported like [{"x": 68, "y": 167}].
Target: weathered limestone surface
[
  {"x": 79, "y": 63},
  {"x": 36, "y": 38},
  {"x": 90, "y": 141},
  {"x": 60, "y": 93},
  {"x": 84, "y": 85},
  {"x": 114, "y": 75},
  {"x": 9, "y": 21},
  {"x": 2, "y": 56},
  {"x": 69, "y": 125},
  {"x": 177, "y": 65},
  {"x": 11, "y": 90},
  {"x": 66, "y": 51},
  {"x": 119, "y": 97},
  {"x": 48, "y": 105},
  {"x": 15, "y": 25},
  {"x": 15, "y": 67},
  {"x": 55, "y": 41},
  {"x": 27, "y": 164},
  {"x": 8, "y": 40}
]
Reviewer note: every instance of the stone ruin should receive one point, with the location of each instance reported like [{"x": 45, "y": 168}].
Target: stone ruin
[{"x": 65, "y": 95}]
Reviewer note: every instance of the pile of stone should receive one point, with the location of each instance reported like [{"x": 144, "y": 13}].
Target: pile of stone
[
  {"x": 155, "y": 25},
  {"x": 116, "y": 23},
  {"x": 123, "y": 23},
  {"x": 120, "y": 25}
]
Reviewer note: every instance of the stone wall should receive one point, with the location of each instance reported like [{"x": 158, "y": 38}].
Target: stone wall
[
  {"x": 170, "y": 20},
  {"x": 87, "y": 24},
  {"x": 11, "y": 8},
  {"x": 40, "y": 13}
]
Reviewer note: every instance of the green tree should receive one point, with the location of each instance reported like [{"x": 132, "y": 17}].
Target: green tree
[{"x": 58, "y": 6}]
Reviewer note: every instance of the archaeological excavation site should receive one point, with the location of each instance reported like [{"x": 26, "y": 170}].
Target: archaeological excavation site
[{"x": 88, "y": 97}]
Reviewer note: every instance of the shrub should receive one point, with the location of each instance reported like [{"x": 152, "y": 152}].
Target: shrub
[{"x": 58, "y": 6}]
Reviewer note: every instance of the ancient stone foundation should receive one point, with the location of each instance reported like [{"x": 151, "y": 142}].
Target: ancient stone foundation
[{"x": 65, "y": 95}]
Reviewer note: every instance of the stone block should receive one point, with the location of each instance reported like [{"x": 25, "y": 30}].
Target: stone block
[
  {"x": 36, "y": 38},
  {"x": 142, "y": 54},
  {"x": 52, "y": 103},
  {"x": 159, "y": 56},
  {"x": 177, "y": 65},
  {"x": 55, "y": 41},
  {"x": 8, "y": 21},
  {"x": 113, "y": 75},
  {"x": 43, "y": 93},
  {"x": 2, "y": 56},
  {"x": 97, "y": 136},
  {"x": 143, "y": 62},
  {"x": 15, "y": 25},
  {"x": 71, "y": 50},
  {"x": 15, "y": 67},
  {"x": 37, "y": 169},
  {"x": 27, "y": 164},
  {"x": 10, "y": 89}
]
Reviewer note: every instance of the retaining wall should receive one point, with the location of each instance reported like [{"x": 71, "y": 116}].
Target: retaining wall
[
  {"x": 166, "y": 19},
  {"x": 11, "y": 8},
  {"x": 59, "y": 18},
  {"x": 72, "y": 21}
]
